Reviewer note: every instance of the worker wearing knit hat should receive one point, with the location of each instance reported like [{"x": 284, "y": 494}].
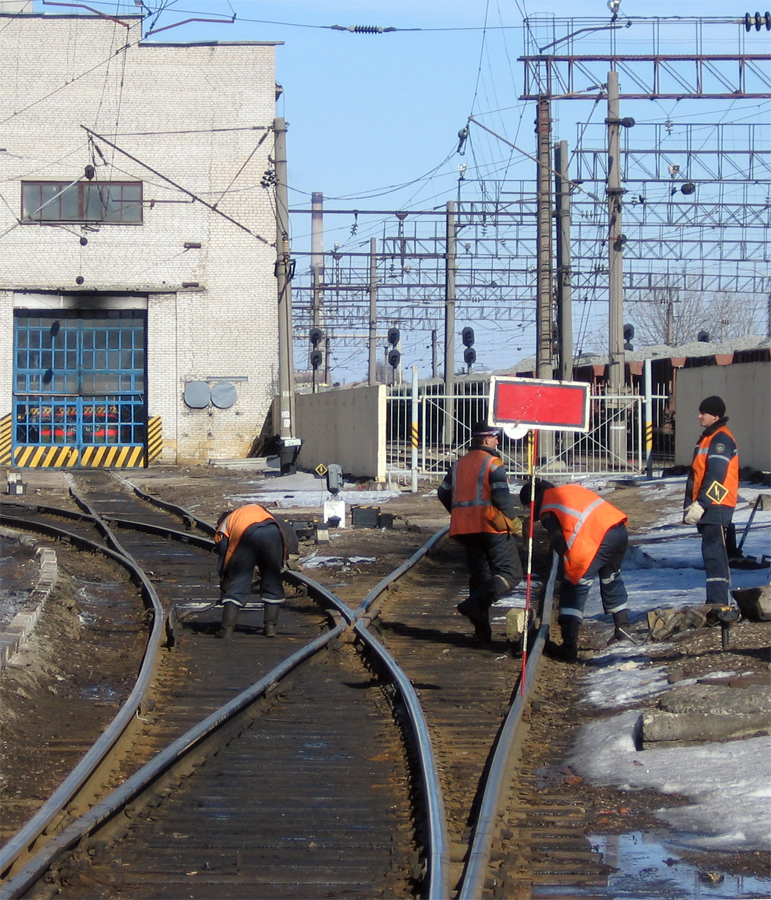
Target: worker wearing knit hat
[
  {"x": 711, "y": 493},
  {"x": 713, "y": 406}
]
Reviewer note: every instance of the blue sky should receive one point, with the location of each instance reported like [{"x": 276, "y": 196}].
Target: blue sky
[{"x": 374, "y": 118}]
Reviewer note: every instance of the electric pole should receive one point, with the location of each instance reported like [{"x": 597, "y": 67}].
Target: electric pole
[
  {"x": 317, "y": 268},
  {"x": 564, "y": 274},
  {"x": 372, "y": 367},
  {"x": 616, "y": 242},
  {"x": 449, "y": 328},
  {"x": 284, "y": 272},
  {"x": 544, "y": 339}
]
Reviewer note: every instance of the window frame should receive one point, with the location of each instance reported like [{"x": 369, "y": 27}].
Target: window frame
[{"x": 85, "y": 199}]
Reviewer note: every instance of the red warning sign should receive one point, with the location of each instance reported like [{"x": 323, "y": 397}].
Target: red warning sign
[{"x": 548, "y": 405}]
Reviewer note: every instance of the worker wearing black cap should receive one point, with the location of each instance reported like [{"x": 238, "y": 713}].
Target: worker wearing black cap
[
  {"x": 711, "y": 493},
  {"x": 475, "y": 492}
]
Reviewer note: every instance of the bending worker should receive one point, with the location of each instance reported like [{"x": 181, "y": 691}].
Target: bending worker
[
  {"x": 591, "y": 537},
  {"x": 711, "y": 493},
  {"x": 475, "y": 492},
  {"x": 246, "y": 538}
]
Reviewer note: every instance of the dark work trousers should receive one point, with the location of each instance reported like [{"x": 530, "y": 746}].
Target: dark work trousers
[
  {"x": 260, "y": 546},
  {"x": 488, "y": 555},
  {"x": 713, "y": 552},
  {"x": 606, "y": 564}
]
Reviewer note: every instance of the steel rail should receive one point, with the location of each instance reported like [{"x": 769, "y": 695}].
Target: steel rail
[
  {"x": 172, "y": 508},
  {"x": 499, "y": 777},
  {"x": 439, "y": 842},
  {"x": 438, "y": 850},
  {"x": 167, "y": 757},
  {"x": 24, "y": 839},
  {"x": 184, "y": 537}
]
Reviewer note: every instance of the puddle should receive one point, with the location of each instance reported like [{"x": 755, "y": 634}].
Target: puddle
[
  {"x": 652, "y": 871},
  {"x": 101, "y": 693}
]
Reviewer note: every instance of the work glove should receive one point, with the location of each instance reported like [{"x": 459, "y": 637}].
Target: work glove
[
  {"x": 693, "y": 514},
  {"x": 504, "y": 523}
]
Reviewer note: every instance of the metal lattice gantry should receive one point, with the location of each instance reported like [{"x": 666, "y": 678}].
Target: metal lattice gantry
[
  {"x": 695, "y": 194},
  {"x": 570, "y": 58}
]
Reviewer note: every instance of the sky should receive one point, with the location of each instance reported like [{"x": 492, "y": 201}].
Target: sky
[{"x": 374, "y": 118}]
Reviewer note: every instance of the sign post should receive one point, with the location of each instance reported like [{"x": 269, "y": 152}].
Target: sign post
[{"x": 538, "y": 405}]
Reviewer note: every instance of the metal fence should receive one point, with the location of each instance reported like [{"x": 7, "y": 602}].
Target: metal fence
[{"x": 427, "y": 430}]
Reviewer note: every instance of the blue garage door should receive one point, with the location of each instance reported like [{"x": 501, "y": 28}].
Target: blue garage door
[{"x": 79, "y": 379}]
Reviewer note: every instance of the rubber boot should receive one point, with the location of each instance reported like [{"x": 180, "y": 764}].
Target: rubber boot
[
  {"x": 622, "y": 632},
  {"x": 271, "y": 619},
  {"x": 476, "y": 610},
  {"x": 228, "y": 623},
  {"x": 567, "y": 651}
]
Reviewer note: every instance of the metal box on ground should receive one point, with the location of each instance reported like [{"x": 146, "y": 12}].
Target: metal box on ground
[{"x": 365, "y": 516}]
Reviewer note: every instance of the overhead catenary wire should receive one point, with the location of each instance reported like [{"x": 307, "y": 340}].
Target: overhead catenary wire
[{"x": 178, "y": 187}]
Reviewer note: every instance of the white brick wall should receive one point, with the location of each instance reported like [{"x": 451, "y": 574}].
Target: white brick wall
[{"x": 64, "y": 72}]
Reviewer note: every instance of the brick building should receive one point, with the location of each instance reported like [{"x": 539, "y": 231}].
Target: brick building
[{"x": 137, "y": 244}]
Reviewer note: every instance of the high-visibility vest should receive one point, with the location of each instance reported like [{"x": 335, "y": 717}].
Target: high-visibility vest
[
  {"x": 234, "y": 526},
  {"x": 725, "y": 492},
  {"x": 585, "y": 519},
  {"x": 472, "y": 509}
]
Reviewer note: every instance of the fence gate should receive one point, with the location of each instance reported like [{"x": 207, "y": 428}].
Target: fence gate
[{"x": 444, "y": 433}]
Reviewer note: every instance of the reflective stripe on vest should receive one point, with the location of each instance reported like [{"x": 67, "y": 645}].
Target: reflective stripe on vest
[
  {"x": 584, "y": 519},
  {"x": 579, "y": 516},
  {"x": 472, "y": 509}
]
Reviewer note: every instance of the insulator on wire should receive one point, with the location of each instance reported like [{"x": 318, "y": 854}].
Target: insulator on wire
[
  {"x": 757, "y": 20},
  {"x": 363, "y": 29}
]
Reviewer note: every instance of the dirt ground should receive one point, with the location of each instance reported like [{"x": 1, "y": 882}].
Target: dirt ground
[
  {"x": 66, "y": 682},
  {"x": 52, "y": 688}
]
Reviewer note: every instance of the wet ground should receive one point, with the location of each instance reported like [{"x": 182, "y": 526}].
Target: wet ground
[{"x": 624, "y": 823}]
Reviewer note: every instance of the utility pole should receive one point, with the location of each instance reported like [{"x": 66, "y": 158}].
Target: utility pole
[
  {"x": 284, "y": 272},
  {"x": 544, "y": 339},
  {"x": 768, "y": 326},
  {"x": 616, "y": 242},
  {"x": 564, "y": 273},
  {"x": 449, "y": 327},
  {"x": 317, "y": 268},
  {"x": 372, "y": 369}
]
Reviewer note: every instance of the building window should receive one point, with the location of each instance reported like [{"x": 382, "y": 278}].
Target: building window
[{"x": 111, "y": 202}]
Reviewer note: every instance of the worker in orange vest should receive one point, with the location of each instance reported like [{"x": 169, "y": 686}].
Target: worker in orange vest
[
  {"x": 590, "y": 536},
  {"x": 711, "y": 493},
  {"x": 246, "y": 538},
  {"x": 483, "y": 519}
]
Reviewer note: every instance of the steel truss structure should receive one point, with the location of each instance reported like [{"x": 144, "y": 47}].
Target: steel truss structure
[{"x": 696, "y": 195}]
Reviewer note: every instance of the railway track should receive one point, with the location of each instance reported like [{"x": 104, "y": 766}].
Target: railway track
[{"x": 273, "y": 768}]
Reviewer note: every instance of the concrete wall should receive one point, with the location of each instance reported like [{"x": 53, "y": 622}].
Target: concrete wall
[
  {"x": 746, "y": 389},
  {"x": 346, "y": 427},
  {"x": 200, "y": 116}
]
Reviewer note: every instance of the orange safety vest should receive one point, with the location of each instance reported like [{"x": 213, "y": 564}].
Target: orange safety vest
[
  {"x": 585, "y": 519},
  {"x": 730, "y": 495},
  {"x": 472, "y": 509},
  {"x": 237, "y": 522}
]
